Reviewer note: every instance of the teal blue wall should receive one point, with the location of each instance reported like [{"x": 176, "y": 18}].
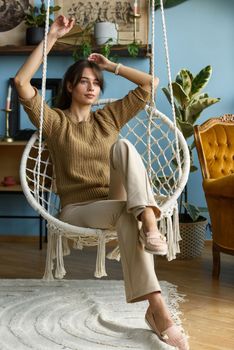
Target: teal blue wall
[{"x": 200, "y": 32}]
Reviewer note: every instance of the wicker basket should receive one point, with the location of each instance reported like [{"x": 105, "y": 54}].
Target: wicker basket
[{"x": 193, "y": 239}]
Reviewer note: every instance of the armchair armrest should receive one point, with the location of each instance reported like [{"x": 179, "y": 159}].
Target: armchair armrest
[{"x": 222, "y": 187}]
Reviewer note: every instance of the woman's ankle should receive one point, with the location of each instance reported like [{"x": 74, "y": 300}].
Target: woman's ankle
[
  {"x": 148, "y": 220},
  {"x": 158, "y": 307}
]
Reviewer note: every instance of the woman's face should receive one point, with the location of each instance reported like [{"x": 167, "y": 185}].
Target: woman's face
[{"x": 87, "y": 91}]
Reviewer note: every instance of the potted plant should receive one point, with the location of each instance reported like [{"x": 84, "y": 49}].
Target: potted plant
[
  {"x": 189, "y": 103},
  {"x": 84, "y": 47},
  {"x": 104, "y": 31},
  {"x": 35, "y": 19}
]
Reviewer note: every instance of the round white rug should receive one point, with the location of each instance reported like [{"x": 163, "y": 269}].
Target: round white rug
[{"x": 76, "y": 315}]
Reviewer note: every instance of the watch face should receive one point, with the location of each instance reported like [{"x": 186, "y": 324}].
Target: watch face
[{"x": 12, "y": 13}]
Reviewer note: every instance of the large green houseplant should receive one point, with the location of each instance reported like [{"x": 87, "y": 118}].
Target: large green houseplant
[{"x": 189, "y": 102}]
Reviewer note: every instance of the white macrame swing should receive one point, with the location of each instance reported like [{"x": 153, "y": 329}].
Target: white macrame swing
[{"x": 163, "y": 150}]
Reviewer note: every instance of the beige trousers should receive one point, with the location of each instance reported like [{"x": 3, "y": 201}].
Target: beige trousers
[{"x": 129, "y": 194}]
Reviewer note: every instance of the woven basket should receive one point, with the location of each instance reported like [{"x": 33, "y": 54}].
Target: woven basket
[{"x": 193, "y": 239}]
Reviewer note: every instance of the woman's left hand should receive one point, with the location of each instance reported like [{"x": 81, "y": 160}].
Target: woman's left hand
[{"x": 101, "y": 60}]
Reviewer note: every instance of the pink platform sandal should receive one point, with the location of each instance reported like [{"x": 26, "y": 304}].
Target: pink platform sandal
[
  {"x": 154, "y": 242},
  {"x": 173, "y": 335}
]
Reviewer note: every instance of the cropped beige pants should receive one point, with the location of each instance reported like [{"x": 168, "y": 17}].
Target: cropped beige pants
[{"x": 129, "y": 194}]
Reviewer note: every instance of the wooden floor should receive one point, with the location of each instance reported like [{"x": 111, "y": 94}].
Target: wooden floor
[{"x": 208, "y": 312}]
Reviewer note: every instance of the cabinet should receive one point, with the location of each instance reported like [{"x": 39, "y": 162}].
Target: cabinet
[{"x": 10, "y": 157}]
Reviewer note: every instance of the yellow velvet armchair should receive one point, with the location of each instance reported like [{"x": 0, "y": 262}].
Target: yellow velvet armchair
[{"x": 215, "y": 146}]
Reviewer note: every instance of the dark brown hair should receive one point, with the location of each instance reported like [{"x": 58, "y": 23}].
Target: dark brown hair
[{"x": 74, "y": 75}]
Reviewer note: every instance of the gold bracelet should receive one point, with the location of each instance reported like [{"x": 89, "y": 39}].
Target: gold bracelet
[{"x": 117, "y": 68}]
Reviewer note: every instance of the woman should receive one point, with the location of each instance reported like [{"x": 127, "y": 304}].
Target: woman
[{"x": 101, "y": 181}]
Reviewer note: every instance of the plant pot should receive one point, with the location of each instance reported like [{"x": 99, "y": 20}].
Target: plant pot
[
  {"x": 103, "y": 31},
  {"x": 34, "y": 35},
  {"x": 193, "y": 238}
]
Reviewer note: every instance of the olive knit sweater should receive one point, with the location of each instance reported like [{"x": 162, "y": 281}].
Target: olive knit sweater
[{"x": 80, "y": 151}]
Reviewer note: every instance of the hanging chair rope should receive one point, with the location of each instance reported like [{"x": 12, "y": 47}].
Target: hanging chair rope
[
  {"x": 177, "y": 153},
  {"x": 43, "y": 91}
]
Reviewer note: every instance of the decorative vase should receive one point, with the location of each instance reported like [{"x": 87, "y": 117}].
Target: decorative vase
[
  {"x": 193, "y": 238},
  {"x": 103, "y": 31},
  {"x": 34, "y": 35}
]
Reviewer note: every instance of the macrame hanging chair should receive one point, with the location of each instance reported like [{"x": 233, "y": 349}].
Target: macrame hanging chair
[{"x": 163, "y": 150}]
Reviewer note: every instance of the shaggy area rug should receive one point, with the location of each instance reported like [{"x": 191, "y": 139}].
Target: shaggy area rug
[{"x": 76, "y": 315}]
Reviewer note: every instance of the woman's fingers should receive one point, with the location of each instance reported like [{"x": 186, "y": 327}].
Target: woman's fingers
[
  {"x": 96, "y": 57},
  {"x": 66, "y": 22}
]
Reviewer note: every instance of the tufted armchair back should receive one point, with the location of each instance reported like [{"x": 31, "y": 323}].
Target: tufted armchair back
[{"x": 215, "y": 146}]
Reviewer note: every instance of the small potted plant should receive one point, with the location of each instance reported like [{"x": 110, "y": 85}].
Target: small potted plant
[
  {"x": 189, "y": 104},
  {"x": 35, "y": 19},
  {"x": 104, "y": 31}
]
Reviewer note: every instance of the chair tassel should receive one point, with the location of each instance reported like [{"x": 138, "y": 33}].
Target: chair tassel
[
  {"x": 101, "y": 256},
  {"x": 114, "y": 254},
  {"x": 48, "y": 275},
  {"x": 60, "y": 271},
  {"x": 173, "y": 235}
]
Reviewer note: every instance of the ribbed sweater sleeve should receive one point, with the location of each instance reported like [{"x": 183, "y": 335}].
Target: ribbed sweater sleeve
[
  {"x": 32, "y": 107},
  {"x": 119, "y": 112}
]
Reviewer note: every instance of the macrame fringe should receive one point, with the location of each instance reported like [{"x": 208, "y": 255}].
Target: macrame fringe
[
  {"x": 101, "y": 255},
  {"x": 57, "y": 248},
  {"x": 48, "y": 275},
  {"x": 77, "y": 244},
  {"x": 60, "y": 270},
  {"x": 173, "y": 234},
  {"x": 114, "y": 254}
]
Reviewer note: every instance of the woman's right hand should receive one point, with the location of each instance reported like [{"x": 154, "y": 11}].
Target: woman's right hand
[{"x": 61, "y": 26}]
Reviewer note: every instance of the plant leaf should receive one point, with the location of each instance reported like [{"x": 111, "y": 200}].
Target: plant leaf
[
  {"x": 186, "y": 128},
  {"x": 192, "y": 210},
  {"x": 193, "y": 145},
  {"x": 200, "y": 80},
  {"x": 202, "y": 96},
  {"x": 193, "y": 168},
  {"x": 186, "y": 81},
  {"x": 203, "y": 209},
  {"x": 197, "y": 106},
  {"x": 133, "y": 49},
  {"x": 178, "y": 79},
  {"x": 56, "y": 8},
  {"x": 168, "y": 96},
  {"x": 180, "y": 95}
]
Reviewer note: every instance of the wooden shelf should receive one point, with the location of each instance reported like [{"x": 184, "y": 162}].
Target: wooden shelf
[
  {"x": 14, "y": 143},
  {"x": 15, "y": 188},
  {"x": 67, "y": 50}
]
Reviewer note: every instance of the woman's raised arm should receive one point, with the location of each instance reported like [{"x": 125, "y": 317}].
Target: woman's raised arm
[
  {"x": 60, "y": 27},
  {"x": 136, "y": 76}
]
